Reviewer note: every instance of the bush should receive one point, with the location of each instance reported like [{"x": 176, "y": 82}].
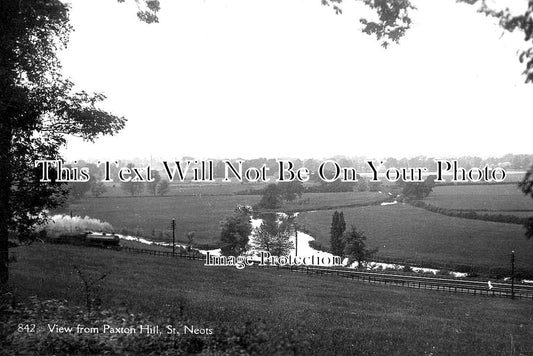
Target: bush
[{"x": 253, "y": 337}]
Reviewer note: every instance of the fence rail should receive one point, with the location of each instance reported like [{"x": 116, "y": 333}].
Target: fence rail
[
  {"x": 180, "y": 254},
  {"x": 503, "y": 290},
  {"x": 476, "y": 288}
]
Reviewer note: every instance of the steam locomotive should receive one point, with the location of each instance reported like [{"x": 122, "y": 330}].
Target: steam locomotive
[{"x": 90, "y": 238}]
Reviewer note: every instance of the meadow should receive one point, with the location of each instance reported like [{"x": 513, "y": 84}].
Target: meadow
[
  {"x": 202, "y": 213},
  {"x": 503, "y": 197},
  {"x": 151, "y": 216},
  {"x": 403, "y": 231},
  {"x": 191, "y": 188},
  {"x": 299, "y": 313},
  {"x": 399, "y": 231}
]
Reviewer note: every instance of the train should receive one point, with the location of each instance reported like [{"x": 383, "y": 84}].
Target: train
[{"x": 89, "y": 238}]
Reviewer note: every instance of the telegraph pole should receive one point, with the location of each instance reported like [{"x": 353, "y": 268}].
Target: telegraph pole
[
  {"x": 512, "y": 274},
  {"x": 296, "y": 240},
  {"x": 173, "y": 237}
]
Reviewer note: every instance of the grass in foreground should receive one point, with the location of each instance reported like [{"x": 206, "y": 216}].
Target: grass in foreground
[{"x": 321, "y": 314}]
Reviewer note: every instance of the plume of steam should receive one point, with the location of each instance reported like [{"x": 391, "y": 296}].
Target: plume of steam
[{"x": 60, "y": 223}]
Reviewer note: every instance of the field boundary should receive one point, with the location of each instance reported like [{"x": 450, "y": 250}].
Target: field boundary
[
  {"x": 470, "y": 214},
  {"x": 321, "y": 208},
  {"x": 177, "y": 254},
  {"x": 474, "y": 288}
]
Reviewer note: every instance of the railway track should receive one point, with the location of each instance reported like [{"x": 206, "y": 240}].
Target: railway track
[
  {"x": 476, "y": 288},
  {"x": 503, "y": 290}
]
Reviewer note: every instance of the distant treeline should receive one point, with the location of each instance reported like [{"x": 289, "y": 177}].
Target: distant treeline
[
  {"x": 474, "y": 183},
  {"x": 326, "y": 187},
  {"x": 508, "y": 161}
]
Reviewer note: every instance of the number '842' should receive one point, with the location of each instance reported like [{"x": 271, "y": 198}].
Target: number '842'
[{"x": 26, "y": 328}]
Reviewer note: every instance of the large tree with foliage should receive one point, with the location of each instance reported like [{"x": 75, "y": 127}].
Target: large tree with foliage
[
  {"x": 356, "y": 249},
  {"x": 274, "y": 233},
  {"x": 418, "y": 190},
  {"x": 393, "y": 20},
  {"x": 291, "y": 190},
  {"x": 338, "y": 227},
  {"x": 151, "y": 187},
  {"x": 39, "y": 108},
  {"x": 235, "y": 231},
  {"x": 270, "y": 198},
  {"x": 132, "y": 187},
  {"x": 526, "y": 185},
  {"x": 163, "y": 187}
]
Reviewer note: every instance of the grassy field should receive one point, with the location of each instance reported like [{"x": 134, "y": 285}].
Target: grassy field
[
  {"x": 324, "y": 201},
  {"x": 151, "y": 216},
  {"x": 403, "y": 231},
  {"x": 478, "y": 197},
  {"x": 325, "y": 315},
  {"x": 192, "y": 188}
]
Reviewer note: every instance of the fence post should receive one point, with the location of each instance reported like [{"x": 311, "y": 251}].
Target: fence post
[
  {"x": 512, "y": 274},
  {"x": 173, "y": 225}
]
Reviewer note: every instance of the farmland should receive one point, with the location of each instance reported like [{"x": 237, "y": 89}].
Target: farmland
[
  {"x": 403, "y": 231},
  {"x": 201, "y": 213},
  {"x": 192, "y": 188},
  {"x": 151, "y": 216},
  {"x": 505, "y": 197},
  {"x": 324, "y": 315},
  {"x": 399, "y": 231}
]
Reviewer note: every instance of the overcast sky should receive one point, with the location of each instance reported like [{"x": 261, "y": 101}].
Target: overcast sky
[{"x": 289, "y": 78}]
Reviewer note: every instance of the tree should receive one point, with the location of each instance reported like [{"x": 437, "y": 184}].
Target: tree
[
  {"x": 271, "y": 198},
  {"x": 78, "y": 190},
  {"x": 190, "y": 238},
  {"x": 526, "y": 185},
  {"x": 163, "y": 187},
  {"x": 132, "y": 187},
  {"x": 152, "y": 186},
  {"x": 98, "y": 188},
  {"x": 338, "y": 227},
  {"x": 418, "y": 190},
  {"x": 356, "y": 249},
  {"x": 235, "y": 231},
  {"x": 509, "y": 22},
  {"x": 362, "y": 185},
  {"x": 38, "y": 109},
  {"x": 273, "y": 235},
  {"x": 394, "y": 20},
  {"x": 291, "y": 190}
]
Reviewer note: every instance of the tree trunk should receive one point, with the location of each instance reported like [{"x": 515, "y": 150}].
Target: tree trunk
[{"x": 5, "y": 190}]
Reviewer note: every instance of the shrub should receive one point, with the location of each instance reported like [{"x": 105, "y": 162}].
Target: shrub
[{"x": 407, "y": 268}]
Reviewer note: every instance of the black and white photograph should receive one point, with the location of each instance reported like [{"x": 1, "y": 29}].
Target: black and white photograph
[{"x": 266, "y": 177}]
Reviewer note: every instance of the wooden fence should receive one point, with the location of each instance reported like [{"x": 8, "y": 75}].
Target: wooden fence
[
  {"x": 188, "y": 255},
  {"x": 504, "y": 290},
  {"x": 476, "y": 288}
]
